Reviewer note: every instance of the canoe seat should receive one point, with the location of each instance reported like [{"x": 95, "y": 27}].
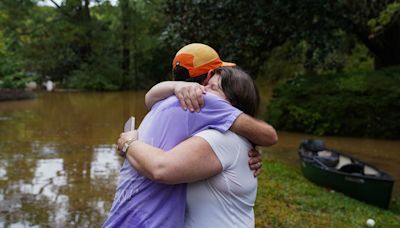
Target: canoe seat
[
  {"x": 343, "y": 161},
  {"x": 354, "y": 168},
  {"x": 368, "y": 170},
  {"x": 328, "y": 158}
]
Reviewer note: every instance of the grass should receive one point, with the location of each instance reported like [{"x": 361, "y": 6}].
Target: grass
[{"x": 286, "y": 199}]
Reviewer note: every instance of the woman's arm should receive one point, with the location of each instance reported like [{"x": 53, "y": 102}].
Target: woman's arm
[
  {"x": 256, "y": 131},
  {"x": 159, "y": 92},
  {"x": 191, "y": 160},
  {"x": 190, "y": 94}
]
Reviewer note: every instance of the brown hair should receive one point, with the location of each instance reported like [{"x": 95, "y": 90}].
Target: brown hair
[
  {"x": 240, "y": 89},
  {"x": 182, "y": 74}
]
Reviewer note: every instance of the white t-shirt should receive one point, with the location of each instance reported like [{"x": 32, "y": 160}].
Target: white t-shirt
[{"x": 227, "y": 199}]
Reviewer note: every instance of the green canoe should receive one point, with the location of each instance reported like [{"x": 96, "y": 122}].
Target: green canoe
[{"x": 343, "y": 173}]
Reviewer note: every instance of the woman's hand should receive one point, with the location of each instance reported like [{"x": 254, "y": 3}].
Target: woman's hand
[
  {"x": 255, "y": 161},
  {"x": 126, "y": 137},
  {"x": 190, "y": 95}
]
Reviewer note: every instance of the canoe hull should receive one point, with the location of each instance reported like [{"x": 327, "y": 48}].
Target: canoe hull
[{"x": 370, "y": 190}]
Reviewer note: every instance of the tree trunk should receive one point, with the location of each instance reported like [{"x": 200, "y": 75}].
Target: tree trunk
[
  {"x": 86, "y": 48},
  {"x": 125, "y": 37},
  {"x": 387, "y": 52}
]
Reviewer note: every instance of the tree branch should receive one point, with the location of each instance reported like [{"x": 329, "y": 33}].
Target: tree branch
[{"x": 55, "y": 3}]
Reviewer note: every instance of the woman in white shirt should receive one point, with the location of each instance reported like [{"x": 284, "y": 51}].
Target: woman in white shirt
[{"x": 227, "y": 197}]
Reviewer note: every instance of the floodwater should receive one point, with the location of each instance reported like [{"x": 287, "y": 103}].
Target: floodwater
[{"x": 59, "y": 168}]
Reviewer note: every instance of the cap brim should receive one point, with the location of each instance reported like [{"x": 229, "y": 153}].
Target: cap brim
[{"x": 228, "y": 64}]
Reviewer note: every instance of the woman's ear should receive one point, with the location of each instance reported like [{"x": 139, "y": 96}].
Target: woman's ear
[{"x": 209, "y": 75}]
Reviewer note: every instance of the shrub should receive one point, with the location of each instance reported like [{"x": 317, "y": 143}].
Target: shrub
[
  {"x": 95, "y": 77},
  {"x": 352, "y": 104},
  {"x": 16, "y": 80}
]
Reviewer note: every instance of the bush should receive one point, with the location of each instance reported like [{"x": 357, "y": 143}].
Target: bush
[
  {"x": 353, "y": 104},
  {"x": 95, "y": 77},
  {"x": 16, "y": 80}
]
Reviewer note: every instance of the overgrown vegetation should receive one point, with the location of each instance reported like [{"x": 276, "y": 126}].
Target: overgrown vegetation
[
  {"x": 356, "y": 104},
  {"x": 82, "y": 44},
  {"x": 129, "y": 45},
  {"x": 286, "y": 199},
  {"x": 325, "y": 30}
]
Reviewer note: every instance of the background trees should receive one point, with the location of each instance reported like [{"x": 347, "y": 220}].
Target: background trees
[
  {"x": 83, "y": 44},
  {"x": 246, "y": 32},
  {"x": 97, "y": 45}
]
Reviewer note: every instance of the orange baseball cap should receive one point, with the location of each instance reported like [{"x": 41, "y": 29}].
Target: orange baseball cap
[{"x": 198, "y": 59}]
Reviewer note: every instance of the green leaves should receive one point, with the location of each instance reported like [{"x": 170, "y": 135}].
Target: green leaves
[
  {"x": 80, "y": 46},
  {"x": 16, "y": 81},
  {"x": 385, "y": 17},
  {"x": 353, "y": 104},
  {"x": 245, "y": 32}
]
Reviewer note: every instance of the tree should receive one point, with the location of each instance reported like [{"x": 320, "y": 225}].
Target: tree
[
  {"x": 14, "y": 30},
  {"x": 377, "y": 25},
  {"x": 77, "y": 14},
  {"x": 143, "y": 59},
  {"x": 84, "y": 44},
  {"x": 126, "y": 14},
  {"x": 245, "y": 32}
]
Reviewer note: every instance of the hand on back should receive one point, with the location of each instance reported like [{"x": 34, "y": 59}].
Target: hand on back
[
  {"x": 190, "y": 95},
  {"x": 255, "y": 161}
]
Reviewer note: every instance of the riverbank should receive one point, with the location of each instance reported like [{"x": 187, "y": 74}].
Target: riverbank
[
  {"x": 15, "y": 94},
  {"x": 286, "y": 199}
]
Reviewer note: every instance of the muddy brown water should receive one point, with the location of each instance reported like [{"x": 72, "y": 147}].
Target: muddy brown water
[{"x": 58, "y": 165}]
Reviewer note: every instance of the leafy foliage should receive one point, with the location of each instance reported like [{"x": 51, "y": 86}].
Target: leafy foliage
[
  {"x": 245, "y": 32},
  {"x": 16, "y": 81},
  {"x": 385, "y": 17},
  {"x": 357, "y": 104},
  {"x": 80, "y": 46}
]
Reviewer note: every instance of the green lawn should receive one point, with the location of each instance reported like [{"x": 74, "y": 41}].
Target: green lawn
[{"x": 286, "y": 199}]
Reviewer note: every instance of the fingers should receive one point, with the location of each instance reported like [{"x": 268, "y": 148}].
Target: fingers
[
  {"x": 200, "y": 91},
  {"x": 182, "y": 101},
  {"x": 190, "y": 96},
  {"x": 254, "y": 153},
  {"x": 120, "y": 141},
  {"x": 180, "y": 93},
  {"x": 119, "y": 147},
  {"x": 196, "y": 95},
  {"x": 203, "y": 89},
  {"x": 188, "y": 100},
  {"x": 185, "y": 100},
  {"x": 254, "y": 160},
  {"x": 256, "y": 166},
  {"x": 257, "y": 172},
  {"x": 125, "y": 136}
]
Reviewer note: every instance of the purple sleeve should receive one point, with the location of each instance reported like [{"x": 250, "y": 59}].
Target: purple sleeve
[{"x": 217, "y": 113}]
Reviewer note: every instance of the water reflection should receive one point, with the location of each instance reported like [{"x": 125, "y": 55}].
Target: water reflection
[
  {"x": 58, "y": 166},
  {"x": 105, "y": 163}
]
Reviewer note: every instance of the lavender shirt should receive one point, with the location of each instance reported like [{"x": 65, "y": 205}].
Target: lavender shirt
[{"x": 140, "y": 202}]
